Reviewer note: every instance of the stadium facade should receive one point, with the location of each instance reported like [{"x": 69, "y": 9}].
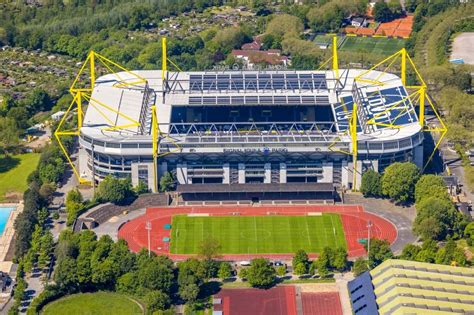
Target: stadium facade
[{"x": 239, "y": 127}]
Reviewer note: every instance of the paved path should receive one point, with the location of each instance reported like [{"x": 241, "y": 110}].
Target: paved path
[
  {"x": 401, "y": 217},
  {"x": 341, "y": 283}
]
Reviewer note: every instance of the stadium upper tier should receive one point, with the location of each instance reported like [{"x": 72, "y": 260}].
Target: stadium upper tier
[{"x": 252, "y": 107}]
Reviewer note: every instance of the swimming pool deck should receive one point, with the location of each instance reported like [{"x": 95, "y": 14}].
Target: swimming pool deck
[{"x": 7, "y": 236}]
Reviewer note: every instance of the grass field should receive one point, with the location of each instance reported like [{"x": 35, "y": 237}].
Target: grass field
[
  {"x": 258, "y": 234},
  {"x": 100, "y": 303},
  {"x": 375, "y": 45},
  {"x": 14, "y": 171}
]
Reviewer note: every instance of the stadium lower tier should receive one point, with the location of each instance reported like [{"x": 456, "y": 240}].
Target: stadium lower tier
[{"x": 243, "y": 167}]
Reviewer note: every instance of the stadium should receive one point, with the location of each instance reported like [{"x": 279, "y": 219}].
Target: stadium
[{"x": 248, "y": 132}]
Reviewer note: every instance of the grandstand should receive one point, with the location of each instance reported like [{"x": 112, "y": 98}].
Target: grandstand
[
  {"x": 247, "y": 127},
  {"x": 409, "y": 287}
]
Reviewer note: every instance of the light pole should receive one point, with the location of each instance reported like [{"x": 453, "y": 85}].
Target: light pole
[
  {"x": 148, "y": 228},
  {"x": 369, "y": 225}
]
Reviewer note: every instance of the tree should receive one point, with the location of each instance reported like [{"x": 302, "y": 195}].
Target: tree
[
  {"x": 301, "y": 258},
  {"x": 115, "y": 190},
  {"x": 371, "y": 184},
  {"x": 382, "y": 12},
  {"x": 73, "y": 205},
  {"x": 436, "y": 218},
  {"x": 46, "y": 249},
  {"x": 167, "y": 182},
  {"x": 243, "y": 273},
  {"x": 300, "y": 269},
  {"x": 324, "y": 262},
  {"x": 281, "y": 271},
  {"x": 141, "y": 188},
  {"x": 225, "y": 270},
  {"x": 340, "y": 259},
  {"x": 410, "y": 252},
  {"x": 284, "y": 24},
  {"x": 46, "y": 191},
  {"x": 322, "y": 267},
  {"x": 209, "y": 248},
  {"x": 430, "y": 186},
  {"x": 189, "y": 292},
  {"x": 9, "y": 134},
  {"x": 156, "y": 301},
  {"x": 427, "y": 252},
  {"x": 227, "y": 39},
  {"x": 451, "y": 254},
  {"x": 398, "y": 181},
  {"x": 379, "y": 252},
  {"x": 260, "y": 274},
  {"x": 469, "y": 231},
  {"x": 360, "y": 266},
  {"x": 38, "y": 101}
]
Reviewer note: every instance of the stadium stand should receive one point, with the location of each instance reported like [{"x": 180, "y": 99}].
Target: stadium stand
[{"x": 409, "y": 287}]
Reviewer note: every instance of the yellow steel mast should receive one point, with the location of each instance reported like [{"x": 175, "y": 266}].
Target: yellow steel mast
[{"x": 335, "y": 61}]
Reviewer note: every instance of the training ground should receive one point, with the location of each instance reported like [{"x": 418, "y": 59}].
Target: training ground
[{"x": 353, "y": 219}]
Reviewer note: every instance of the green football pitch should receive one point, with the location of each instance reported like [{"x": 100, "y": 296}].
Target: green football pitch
[
  {"x": 257, "y": 234},
  {"x": 376, "y": 45}
]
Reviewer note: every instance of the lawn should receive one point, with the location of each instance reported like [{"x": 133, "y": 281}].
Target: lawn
[
  {"x": 258, "y": 234},
  {"x": 14, "y": 171},
  {"x": 375, "y": 45},
  {"x": 100, "y": 303}
]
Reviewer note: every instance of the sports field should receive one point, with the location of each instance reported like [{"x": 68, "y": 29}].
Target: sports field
[
  {"x": 257, "y": 234},
  {"x": 99, "y": 303},
  {"x": 375, "y": 45}
]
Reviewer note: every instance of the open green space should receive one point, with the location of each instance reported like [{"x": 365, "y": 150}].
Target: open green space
[
  {"x": 100, "y": 303},
  {"x": 373, "y": 45},
  {"x": 257, "y": 234},
  {"x": 14, "y": 170}
]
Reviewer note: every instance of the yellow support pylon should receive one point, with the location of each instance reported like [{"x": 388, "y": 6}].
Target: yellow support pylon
[
  {"x": 164, "y": 58},
  {"x": 335, "y": 61},
  {"x": 83, "y": 91},
  {"x": 353, "y": 129}
]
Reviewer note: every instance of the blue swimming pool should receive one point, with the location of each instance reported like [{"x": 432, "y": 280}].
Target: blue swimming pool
[{"x": 4, "y": 214}]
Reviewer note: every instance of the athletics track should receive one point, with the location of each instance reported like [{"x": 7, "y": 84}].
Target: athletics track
[{"x": 354, "y": 221}]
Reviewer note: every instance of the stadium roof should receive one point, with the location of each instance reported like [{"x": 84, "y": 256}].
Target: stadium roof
[
  {"x": 401, "y": 287},
  {"x": 381, "y": 104}
]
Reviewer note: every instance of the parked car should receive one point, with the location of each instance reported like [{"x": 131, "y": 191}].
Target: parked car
[{"x": 245, "y": 263}]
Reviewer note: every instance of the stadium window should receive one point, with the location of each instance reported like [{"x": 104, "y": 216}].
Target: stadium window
[
  {"x": 266, "y": 99},
  {"x": 99, "y": 143},
  {"x": 279, "y": 99},
  {"x": 113, "y": 145},
  {"x": 129, "y": 145},
  {"x": 238, "y": 100},
  {"x": 293, "y": 100},
  {"x": 251, "y": 100}
]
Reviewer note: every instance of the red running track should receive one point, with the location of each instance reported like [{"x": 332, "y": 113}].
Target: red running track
[
  {"x": 275, "y": 301},
  {"x": 354, "y": 221},
  {"x": 321, "y": 303}
]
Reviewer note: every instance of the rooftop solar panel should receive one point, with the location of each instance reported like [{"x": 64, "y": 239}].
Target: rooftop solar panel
[{"x": 262, "y": 81}]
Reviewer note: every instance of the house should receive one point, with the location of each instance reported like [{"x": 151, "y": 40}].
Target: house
[
  {"x": 359, "y": 21},
  {"x": 255, "y": 45},
  {"x": 252, "y": 57}
]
